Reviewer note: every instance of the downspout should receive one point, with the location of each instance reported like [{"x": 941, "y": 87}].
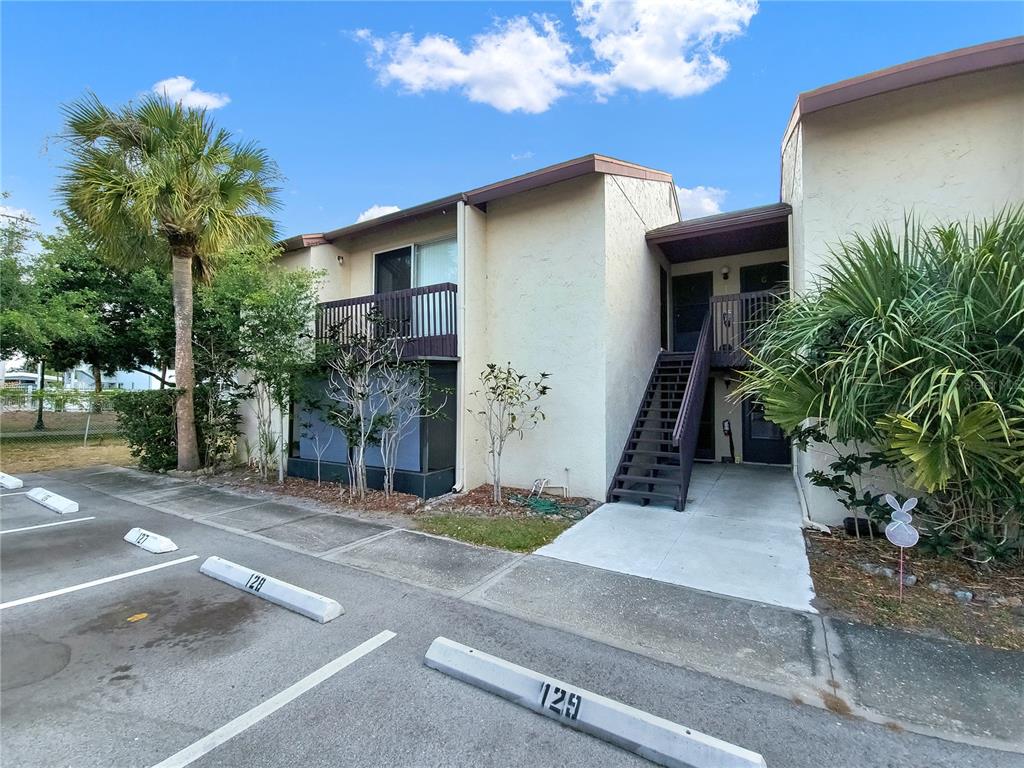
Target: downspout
[
  {"x": 460, "y": 379},
  {"x": 805, "y": 516}
]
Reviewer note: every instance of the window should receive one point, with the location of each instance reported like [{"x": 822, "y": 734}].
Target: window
[
  {"x": 394, "y": 270},
  {"x": 413, "y": 266},
  {"x": 437, "y": 262}
]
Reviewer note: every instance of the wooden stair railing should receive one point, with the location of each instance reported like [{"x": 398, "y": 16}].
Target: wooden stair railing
[{"x": 687, "y": 426}]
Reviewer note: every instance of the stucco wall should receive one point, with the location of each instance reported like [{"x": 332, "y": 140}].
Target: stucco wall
[
  {"x": 631, "y": 276},
  {"x": 546, "y": 312},
  {"x": 474, "y": 350},
  {"x": 944, "y": 151}
]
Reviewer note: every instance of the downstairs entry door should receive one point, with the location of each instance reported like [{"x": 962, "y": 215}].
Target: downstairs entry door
[
  {"x": 763, "y": 441},
  {"x": 691, "y": 299}
]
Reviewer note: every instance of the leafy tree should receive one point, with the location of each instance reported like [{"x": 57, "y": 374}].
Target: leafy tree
[
  {"x": 154, "y": 173},
  {"x": 276, "y": 343},
  {"x": 509, "y": 407},
  {"x": 119, "y": 303},
  {"x": 37, "y": 320},
  {"x": 915, "y": 346}
]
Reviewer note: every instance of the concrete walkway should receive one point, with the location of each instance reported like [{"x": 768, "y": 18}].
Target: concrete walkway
[{"x": 739, "y": 536}]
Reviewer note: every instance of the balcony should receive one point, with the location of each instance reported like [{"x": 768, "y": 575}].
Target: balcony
[
  {"x": 424, "y": 317},
  {"x": 734, "y": 319}
]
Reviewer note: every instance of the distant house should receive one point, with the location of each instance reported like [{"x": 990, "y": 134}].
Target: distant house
[
  {"x": 584, "y": 270},
  {"x": 82, "y": 377}
]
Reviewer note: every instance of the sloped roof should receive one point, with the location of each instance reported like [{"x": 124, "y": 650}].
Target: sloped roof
[{"x": 480, "y": 196}]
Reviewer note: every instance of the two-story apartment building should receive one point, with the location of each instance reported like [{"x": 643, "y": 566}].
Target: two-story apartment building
[{"x": 584, "y": 270}]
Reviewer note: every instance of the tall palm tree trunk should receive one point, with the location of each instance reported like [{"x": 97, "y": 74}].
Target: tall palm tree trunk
[{"x": 184, "y": 366}]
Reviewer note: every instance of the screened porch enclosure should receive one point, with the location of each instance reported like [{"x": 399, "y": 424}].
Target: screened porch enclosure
[{"x": 426, "y": 451}]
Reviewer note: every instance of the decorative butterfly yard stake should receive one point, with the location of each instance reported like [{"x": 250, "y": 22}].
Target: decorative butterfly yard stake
[{"x": 900, "y": 532}]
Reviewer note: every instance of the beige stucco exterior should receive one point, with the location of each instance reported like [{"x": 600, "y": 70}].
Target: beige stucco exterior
[
  {"x": 943, "y": 151},
  {"x": 558, "y": 279}
]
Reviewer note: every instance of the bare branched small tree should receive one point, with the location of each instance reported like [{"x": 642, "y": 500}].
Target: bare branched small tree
[
  {"x": 354, "y": 363},
  {"x": 409, "y": 395},
  {"x": 509, "y": 407}
]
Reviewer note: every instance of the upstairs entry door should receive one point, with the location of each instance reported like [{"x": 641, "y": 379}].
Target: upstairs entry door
[{"x": 691, "y": 298}]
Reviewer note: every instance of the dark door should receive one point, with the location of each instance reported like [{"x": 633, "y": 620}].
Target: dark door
[
  {"x": 763, "y": 441},
  {"x": 393, "y": 272},
  {"x": 706, "y": 436},
  {"x": 691, "y": 297}
]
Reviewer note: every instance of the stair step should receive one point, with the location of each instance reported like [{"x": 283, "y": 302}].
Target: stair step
[
  {"x": 656, "y": 454},
  {"x": 643, "y": 495},
  {"x": 643, "y": 480}
]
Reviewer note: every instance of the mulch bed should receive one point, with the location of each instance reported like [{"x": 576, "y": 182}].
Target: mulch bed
[
  {"x": 516, "y": 502},
  {"x": 476, "y": 502},
  {"x": 846, "y": 591}
]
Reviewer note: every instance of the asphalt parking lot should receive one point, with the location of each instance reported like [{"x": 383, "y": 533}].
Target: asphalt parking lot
[{"x": 141, "y": 670}]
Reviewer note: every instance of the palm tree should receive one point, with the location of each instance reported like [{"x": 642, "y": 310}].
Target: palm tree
[{"x": 156, "y": 173}]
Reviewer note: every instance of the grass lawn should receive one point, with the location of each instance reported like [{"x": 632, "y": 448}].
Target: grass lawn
[
  {"x": 39, "y": 455},
  {"x": 517, "y": 534}
]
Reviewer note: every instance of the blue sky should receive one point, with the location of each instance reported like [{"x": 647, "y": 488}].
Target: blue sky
[{"x": 363, "y": 118}]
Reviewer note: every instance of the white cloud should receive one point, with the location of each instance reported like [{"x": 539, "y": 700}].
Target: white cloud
[
  {"x": 375, "y": 211},
  {"x": 522, "y": 155},
  {"x": 526, "y": 64},
  {"x": 654, "y": 45},
  {"x": 183, "y": 90},
  {"x": 695, "y": 202},
  {"x": 521, "y": 64}
]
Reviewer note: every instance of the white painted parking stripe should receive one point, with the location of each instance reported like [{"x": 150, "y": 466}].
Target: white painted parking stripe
[
  {"x": 271, "y": 705},
  {"x": 97, "y": 582},
  {"x": 47, "y": 525}
]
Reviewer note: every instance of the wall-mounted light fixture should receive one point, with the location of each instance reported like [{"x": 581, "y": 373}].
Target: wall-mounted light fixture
[
  {"x": 725, "y": 273},
  {"x": 341, "y": 259}
]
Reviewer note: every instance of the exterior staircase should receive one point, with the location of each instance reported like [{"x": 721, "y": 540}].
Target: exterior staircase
[{"x": 658, "y": 457}]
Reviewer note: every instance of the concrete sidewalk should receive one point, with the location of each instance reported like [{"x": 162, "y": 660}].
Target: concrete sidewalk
[
  {"x": 935, "y": 687},
  {"x": 739, "y": 536}
]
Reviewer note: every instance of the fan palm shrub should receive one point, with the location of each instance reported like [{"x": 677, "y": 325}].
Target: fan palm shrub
[
  {"x": 154, "y": 177},
  {"x": 914, "y": 346}
]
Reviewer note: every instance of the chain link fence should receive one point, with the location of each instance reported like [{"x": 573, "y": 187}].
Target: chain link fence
[{"x": 58, "y": 428}]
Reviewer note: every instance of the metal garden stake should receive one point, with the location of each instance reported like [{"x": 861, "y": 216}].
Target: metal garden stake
[{"x": 900, "y": 532}]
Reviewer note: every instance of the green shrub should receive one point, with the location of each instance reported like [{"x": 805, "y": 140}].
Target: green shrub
[
  {"x": 145, "y": 418},
  {"x": 147, "y": 422}
]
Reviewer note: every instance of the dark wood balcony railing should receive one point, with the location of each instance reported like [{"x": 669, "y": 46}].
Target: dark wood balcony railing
[
  {"x": 734, "y": 319},
  {"x": 424, "y": 317}
]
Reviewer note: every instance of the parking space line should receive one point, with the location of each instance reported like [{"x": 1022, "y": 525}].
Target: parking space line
[
  {"x": 230, "y": 730},
  {"x": 96, "y": 583},
  {"x": 47, "y": 525}
]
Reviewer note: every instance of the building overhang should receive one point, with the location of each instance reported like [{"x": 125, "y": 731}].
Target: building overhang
[
  {"x": 763, "y": 228},
  {"x": 481, "y": 196},
  {"x": 963, "y": 61}
]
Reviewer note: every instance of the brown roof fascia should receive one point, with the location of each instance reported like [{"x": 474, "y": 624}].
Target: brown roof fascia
[
  {"x": 406, "y": 214},
  {"x": 480, "y": 196},
  {"x": 571, "y": 169},
  {"x": 721, "y": 222},
  {"x": 963, "y": 61}
]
